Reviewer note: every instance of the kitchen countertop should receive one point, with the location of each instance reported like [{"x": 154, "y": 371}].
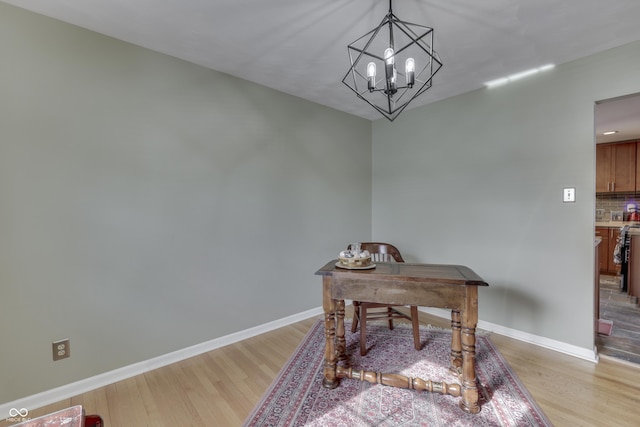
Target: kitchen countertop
[
  {"x": 635, "y": 231},
  {"x": 615, "y": 224}
]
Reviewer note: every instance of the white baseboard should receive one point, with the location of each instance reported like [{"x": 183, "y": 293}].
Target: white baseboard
[
  {"x": 79, "y": 387},
  {"x": 559, "y": 346}
]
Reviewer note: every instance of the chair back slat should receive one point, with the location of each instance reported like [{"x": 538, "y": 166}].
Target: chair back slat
[{"x": 381, "y": 252}]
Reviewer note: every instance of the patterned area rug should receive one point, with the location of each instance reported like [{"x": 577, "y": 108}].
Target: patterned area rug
[{"x": 297, "y": 397}]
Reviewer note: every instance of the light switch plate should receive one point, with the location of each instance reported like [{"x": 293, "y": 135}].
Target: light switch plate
[{"x": 569, "y": 195}]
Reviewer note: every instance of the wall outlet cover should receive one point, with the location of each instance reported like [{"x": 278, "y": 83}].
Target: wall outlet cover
[{"x": 61, "y": 349}]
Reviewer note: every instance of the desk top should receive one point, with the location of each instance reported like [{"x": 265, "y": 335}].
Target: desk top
[{"x": 409, "y": 272}]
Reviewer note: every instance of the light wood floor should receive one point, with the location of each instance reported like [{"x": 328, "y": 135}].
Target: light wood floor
[{"x": 221, "y": 387}]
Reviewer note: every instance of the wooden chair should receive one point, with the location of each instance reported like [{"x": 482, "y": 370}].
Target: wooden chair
[{"x": 381, "y": 252}]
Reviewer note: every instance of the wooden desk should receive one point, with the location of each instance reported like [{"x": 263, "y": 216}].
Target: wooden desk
[{"x": 445, "y": 286}]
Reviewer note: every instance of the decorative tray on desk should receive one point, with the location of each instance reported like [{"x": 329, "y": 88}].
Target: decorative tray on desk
[
  {"x": 355, "y": 259},
  {"x": 355, "y": 267}
]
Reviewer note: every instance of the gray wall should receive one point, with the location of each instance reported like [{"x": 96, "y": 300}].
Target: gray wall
[
  {"x": 477, "y": 180},
  {"x": 148, "y": 204}
]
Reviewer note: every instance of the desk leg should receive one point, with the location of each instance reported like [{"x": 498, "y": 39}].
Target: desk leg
[
  {"x": 456, "y": 343},
  {"x": 330, "y": 358},
  {"x": 469, "y": 401},
  {"x": 341, "y": 342}
]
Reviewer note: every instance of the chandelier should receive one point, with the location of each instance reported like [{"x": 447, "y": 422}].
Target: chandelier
[{"x": 374, "y": 75}]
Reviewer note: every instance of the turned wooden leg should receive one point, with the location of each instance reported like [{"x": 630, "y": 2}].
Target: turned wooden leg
[
  {"x": 363, "y": 330},
  {"x": 341, "y": 343},
  {"x": 389, "y": 313},
  {"x": 330, "y": 359},
  {"x": 456, "y": 343},
  {"x": 469, "y": 401}
]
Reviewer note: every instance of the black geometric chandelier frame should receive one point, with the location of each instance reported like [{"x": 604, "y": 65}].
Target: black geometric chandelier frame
[{"x": 392, "y": 65}]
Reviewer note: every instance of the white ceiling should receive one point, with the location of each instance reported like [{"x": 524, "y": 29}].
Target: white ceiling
[
  {"x": 300, "y": 46},
  {"x": 621, "y": 115}
]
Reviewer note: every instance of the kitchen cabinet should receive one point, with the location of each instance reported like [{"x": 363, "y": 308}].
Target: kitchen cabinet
[
  {"x": 603, "y": 248},
  {"x": 633, "y": 281},
  {"x": 616, "y": 167},
  {"x": 609, "y": 237}
]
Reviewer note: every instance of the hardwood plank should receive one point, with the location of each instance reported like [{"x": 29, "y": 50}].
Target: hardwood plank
[
  {"x": 573, "y": 391},
  {"x": 221, "y": 387}
]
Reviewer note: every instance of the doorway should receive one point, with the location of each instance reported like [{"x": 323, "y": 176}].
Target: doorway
[{"x": 617, "y": 127}]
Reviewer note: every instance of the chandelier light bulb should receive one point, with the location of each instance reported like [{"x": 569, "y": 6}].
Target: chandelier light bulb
[
  {"x": 389, "y": 56},
  {"x": 371, "y": 76},
  {"x": 410, "y": 68},
  {"x": 371, "y": 69},
  {"x": 390, "y": 71}
]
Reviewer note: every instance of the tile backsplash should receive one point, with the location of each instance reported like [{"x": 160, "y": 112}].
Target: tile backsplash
[{"x": 615, "y": 203}]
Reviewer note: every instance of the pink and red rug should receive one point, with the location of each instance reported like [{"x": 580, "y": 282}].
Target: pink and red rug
[{"x": 297, "y": 397}]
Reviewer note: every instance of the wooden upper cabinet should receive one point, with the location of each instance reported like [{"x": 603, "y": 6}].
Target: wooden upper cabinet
[
  {"x": 603, "y": 168},
  {"x": 616, "y": 167},
  {"x": 624, "y": 170}
]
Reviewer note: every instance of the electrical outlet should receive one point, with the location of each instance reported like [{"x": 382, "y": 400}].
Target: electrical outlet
[{"x": 61, "y": 349}]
